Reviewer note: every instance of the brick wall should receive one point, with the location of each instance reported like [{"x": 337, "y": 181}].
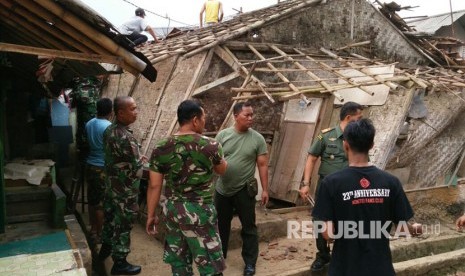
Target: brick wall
[{"x": 328, "y": 25}]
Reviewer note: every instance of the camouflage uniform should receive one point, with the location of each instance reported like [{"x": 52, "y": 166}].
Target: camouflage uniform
[
  {"x": 85, "y": 94},
  {"x": 187, "y": 161},
  {"x": 328, "y": 146},
  {"x": 122, "y": 162}
]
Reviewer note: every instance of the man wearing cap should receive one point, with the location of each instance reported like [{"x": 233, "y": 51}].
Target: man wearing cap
[{"x": 133, "y": 28}]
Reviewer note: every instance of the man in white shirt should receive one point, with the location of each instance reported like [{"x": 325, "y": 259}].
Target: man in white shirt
[{"x": 133, "y": 28}]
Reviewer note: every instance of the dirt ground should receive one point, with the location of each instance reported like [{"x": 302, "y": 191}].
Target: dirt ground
[
  {"x": 279, "y": 256},
  {"x": 275, "y": 257}
]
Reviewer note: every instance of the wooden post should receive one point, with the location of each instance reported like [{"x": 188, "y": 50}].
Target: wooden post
[{"x": 2, "y": 184}]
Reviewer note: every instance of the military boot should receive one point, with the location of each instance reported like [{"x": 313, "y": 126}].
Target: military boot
[{"x": 122, "y": 267}]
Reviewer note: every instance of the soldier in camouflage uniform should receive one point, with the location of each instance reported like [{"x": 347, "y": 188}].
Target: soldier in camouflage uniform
[
  {"x": 122, "y": 163},
  {"x": 328, "y": 146},
  {"x": 85, "y": 94},
  {"x": 187, "y": 161}
]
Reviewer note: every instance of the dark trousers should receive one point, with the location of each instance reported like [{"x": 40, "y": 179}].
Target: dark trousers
[
  {"x": 321, "y": 244},
  {"x": 137, "y": 38},
  {"x": 244, "y": 205}
]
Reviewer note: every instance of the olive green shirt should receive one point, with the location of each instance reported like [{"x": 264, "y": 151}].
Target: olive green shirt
[
  {"x": 328, "y": 146},
  {"x": 241, "y": 151}
]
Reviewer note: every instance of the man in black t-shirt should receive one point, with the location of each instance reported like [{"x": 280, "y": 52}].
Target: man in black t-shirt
[{"x": 359, "y": 205}]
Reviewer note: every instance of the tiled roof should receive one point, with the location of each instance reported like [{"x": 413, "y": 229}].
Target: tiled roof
[{"x": 208, "y": 37}]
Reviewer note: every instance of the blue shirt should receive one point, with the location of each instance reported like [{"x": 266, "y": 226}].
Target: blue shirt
[{"x": 94, "y": 129}]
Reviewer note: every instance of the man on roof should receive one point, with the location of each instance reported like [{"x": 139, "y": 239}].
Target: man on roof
[
  {"x": 133, "y": 28},
  {"x": 213, "y": 10}
]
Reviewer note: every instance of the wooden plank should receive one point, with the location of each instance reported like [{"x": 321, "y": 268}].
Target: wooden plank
[
  {"x": 134, "y": 85},
  {"x": 296, "y": 139},
  {"x": 14, "y": 48},
  {"x": 215, "y": 83}
]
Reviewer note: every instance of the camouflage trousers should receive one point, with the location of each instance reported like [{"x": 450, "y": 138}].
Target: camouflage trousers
[
  {"x": 192, "y": 234},
  {"x": 120, "y": 211}
]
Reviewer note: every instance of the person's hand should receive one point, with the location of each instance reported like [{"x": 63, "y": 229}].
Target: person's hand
[
  {"x": 151, "y": 225},
  {"x": 144, "y": 159},
  {"x": 265, "y": 198},
  {"x": 460, "y": 223},
  {"x": 304, "y": 192}
]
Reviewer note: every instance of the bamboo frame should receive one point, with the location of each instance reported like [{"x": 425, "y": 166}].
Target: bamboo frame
[
  {"x": 329, "y": 53},
  {"x": 33, "y": 19},
  {"x": 347, "y": 79},
  {"x": 280, "y": 75},
  {"x": 313, "y": 76}
]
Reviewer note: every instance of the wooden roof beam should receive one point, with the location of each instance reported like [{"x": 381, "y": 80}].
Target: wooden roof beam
[{"x": 13, "y": 48}]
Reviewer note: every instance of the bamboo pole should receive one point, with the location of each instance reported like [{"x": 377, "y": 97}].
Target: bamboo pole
[
  {"x": 94, "y": 35},
  {"x": 152, "y": 130},
  {"x": 63, "y": 26},
  {"x": 13, "y": 48},
  {"x": 347, "y": 79},
  {"x": 280, "y": 75},
  {"x": 314, "y": 89},
  {"x": 135, "y": 83}
]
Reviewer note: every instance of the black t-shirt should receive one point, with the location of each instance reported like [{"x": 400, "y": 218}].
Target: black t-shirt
[{"x": 365, "y": 199}]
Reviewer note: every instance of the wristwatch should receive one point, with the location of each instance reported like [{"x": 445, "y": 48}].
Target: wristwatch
[{"x": 305, "y": 183}]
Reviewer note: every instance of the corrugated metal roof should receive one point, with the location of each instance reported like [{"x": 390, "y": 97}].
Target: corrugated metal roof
[{"x": 433, "y": 23}]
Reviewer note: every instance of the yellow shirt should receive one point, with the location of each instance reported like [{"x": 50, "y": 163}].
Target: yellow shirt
[{"x": 212, "y": 8}]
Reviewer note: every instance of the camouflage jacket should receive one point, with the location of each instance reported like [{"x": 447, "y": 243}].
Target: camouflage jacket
[
  {"x": 122, "y": 160},
  {"x": 187, "y": 161},
  {"x": 85, "y": 94}
]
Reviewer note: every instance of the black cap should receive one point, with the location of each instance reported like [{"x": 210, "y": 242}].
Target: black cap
[{"x": 140, "y": 12}]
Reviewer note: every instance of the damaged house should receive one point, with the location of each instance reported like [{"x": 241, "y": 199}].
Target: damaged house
[{"x": 297, "y": 61}]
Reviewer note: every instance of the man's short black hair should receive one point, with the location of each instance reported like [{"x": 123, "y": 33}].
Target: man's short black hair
[
  {"x": 140, "y": 12},
  {"x": 188, "y": 110},
  {"x": 360, "y": 135},
  {"x": 238, "y": 107},
  {"x": 349, "y": 108},
  {"x": 104, "y": 106}
]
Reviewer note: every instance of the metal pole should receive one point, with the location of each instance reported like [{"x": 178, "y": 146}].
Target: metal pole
[{"x": 451, "y": 19}]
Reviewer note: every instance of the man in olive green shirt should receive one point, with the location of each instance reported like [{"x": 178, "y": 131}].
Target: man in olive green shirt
[
  {"x": 244, "y": 148},
  {"x": 328, "y": 147}
]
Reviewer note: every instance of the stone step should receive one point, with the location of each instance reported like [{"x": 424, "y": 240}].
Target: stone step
[{"x": 438, "y": 264}]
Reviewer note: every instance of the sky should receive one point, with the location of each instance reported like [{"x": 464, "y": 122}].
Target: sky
[{"x": 187, "y": 11}]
